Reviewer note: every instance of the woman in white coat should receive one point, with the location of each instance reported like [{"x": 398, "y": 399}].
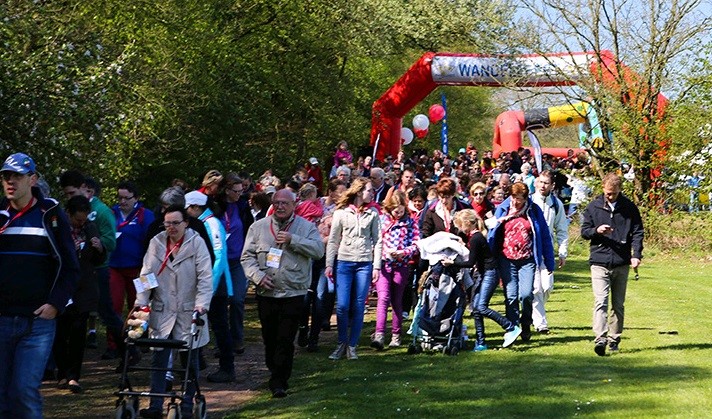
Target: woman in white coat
[{"x": 179, "y": 259}]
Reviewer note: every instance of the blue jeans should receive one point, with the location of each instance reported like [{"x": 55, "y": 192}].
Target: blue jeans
[
  {"x": 518, "y": 282},
  {"x": 481, "y": 304},
  {"x": 353, "y": 280},
  {"x": 25, "y": 345},
  {"x": 237, "y": 303},
  {"x": 158, "y": 377}
]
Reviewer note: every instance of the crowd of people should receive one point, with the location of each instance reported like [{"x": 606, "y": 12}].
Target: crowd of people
[{"x": 308, "y": 244}]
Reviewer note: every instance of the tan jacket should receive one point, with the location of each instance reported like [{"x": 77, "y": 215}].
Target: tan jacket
[
  {"x": 185, "y": 282},
  {"x": 293, "y": 276},
  {"x": 355, "y": 238}
]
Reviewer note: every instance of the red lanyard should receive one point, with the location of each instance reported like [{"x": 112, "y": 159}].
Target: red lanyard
[
  {"x": 127, "y": 221},
  {"x": 169, "y": 250},
  {"x": 446, "y": 218},
  {"x": 286, "y": 228},
  {"x": 22, "y": 212}
]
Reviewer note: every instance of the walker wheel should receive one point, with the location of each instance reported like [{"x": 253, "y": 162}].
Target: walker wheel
[
  {"x": 173, "y": 412},
  {"x": 200, "y": 408}
]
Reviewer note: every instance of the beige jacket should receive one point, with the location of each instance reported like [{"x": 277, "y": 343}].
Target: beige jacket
[
  {"x": 185, "y": 282},
  {"x": 354, "y": 237},
  {"x": 293, "y": 276}
]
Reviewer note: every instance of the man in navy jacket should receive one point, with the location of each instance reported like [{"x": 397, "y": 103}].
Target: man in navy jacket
[
  {"x": 613, "y": 224},
  {"x": 39, "y": 271}
]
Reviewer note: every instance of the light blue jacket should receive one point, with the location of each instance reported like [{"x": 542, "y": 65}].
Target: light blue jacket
[{"x": 216, "y": 232}]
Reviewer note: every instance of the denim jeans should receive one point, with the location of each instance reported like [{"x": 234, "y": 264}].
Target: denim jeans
[
  {"x": 353, "y": 280},
  {"x": 518, "y": 282},
  {"x": 25, "y": 345},
  {"x": 481, "y": 304},
  {"x": 325, "y": 301},
  {"x": 158, "y": 377},
  {"x": 237, "y": 303}
]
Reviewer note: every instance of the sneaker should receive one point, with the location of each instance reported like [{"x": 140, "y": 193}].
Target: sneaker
[
  {"x": 613, "y": 346},
  {"x": 221, "y": 376},
  {"x": 378, "y": 341},
  {"x": 511, "y": 336},
  {"x": 91, "y": 341},
  {"x": 303, "y": 339},
  {"x": 339, "y": 352},
  {"x": 479, "y": 348},
  {"x": 544, "y": 331},
  {"x": 406, "y": 315},
  {"x": 526, "y": 333},
  {"x": 351, "y": 353},
  {"x": 151, "y": 413},
  {"x": 238, "y": 348},
  {"x": 395, "y": 341},
  {"x": 600, "y": 348}
]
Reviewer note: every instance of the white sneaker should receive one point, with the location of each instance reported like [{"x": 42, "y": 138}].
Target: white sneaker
[
  {"x": 339, "y": 352},
  {"x": 511, "y": 336},
  {"x": 351, "y": 353},
  {"x": 406, "y": 315},
  {"x": 395, "y": 341}
]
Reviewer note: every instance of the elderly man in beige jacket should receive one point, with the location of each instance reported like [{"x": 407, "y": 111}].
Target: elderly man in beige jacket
[{"x": 277, "y": 257}]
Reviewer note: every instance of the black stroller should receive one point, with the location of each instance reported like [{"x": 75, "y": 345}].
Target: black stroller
[
  {"x": 128, "y": 398},
  {"x": 437, "y": 320}
]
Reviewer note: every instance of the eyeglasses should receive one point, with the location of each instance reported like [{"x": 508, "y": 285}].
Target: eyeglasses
[
  {"x": 281, "y": 203},
  {"x": 235, "y": 190},
  {"x": 172, "y": 223},
  {"x": 125, "y": 198},
  {"x": 478, "y": 193}
]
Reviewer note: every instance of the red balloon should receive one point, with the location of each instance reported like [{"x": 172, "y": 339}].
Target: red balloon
[
  {"x": 436, "y": 113},
  {"x": 420, "y": 133}
]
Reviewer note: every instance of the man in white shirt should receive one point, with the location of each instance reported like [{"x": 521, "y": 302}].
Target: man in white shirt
[{"x": 555, "y": 216}]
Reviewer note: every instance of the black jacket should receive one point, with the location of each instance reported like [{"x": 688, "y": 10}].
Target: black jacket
[{"x": 626, "y": 240}]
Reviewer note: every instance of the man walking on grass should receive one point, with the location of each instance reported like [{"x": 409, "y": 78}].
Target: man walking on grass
[{"x": 612, "y": 222}]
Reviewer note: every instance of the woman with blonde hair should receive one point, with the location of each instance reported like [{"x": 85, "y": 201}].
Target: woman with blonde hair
[
  {"x": 354, "y": 239},
  {"x": 485, "y": 264},
  {"x": 399, "y": 232},
  {"x": 479, "y": 201}
]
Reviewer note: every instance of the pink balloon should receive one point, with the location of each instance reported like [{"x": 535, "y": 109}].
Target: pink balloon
[
  {"x": 421, "y": 133},
  {"x": 436, "y": 113}
]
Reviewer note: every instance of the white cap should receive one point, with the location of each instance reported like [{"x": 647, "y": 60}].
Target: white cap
[
  {"x": 195, "y": 198},
  {"x": 313, "y": 161},
  {"x": 270, "y": 189}
]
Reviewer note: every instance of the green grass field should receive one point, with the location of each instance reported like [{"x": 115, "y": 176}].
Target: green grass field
[{"x": 664, "y": 367}]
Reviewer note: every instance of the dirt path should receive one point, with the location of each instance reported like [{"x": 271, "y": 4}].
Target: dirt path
[{"x": 99, "y": 381}]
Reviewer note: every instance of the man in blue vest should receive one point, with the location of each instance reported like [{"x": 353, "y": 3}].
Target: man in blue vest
[{"x": 38, "y": 274}]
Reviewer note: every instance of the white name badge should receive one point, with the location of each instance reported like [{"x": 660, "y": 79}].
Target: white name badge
[
  {"x": 145, "y": 282},
  {"x": 273, "y": 257}
]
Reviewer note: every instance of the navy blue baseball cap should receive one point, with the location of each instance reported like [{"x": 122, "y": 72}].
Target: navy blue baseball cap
[{"x": 19, "y": 163}]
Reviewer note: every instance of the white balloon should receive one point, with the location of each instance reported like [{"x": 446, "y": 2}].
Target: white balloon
[
  {"x": 421, "y": 122},
  {"x": 406, "y": 135}
]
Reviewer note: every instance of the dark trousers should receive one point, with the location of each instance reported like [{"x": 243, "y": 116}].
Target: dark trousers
[
  {"x": 69, "y": 341},
  {"x": 313, "y": 305},
  {"x": 279, "y": 318},
  {"x": 220, "y": 324}
]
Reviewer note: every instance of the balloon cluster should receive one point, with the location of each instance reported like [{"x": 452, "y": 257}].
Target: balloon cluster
[{"x": 421, "y": 123}]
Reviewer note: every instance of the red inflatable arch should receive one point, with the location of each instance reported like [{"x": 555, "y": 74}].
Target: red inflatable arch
[{"x": 448, "y": 69}]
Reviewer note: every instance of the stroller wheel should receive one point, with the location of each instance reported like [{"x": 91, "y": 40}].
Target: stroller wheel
[
  {"x": 200, "y": 409},
  {"x": 173, "y": 412},
  {"x": 454, "y": 351}
]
